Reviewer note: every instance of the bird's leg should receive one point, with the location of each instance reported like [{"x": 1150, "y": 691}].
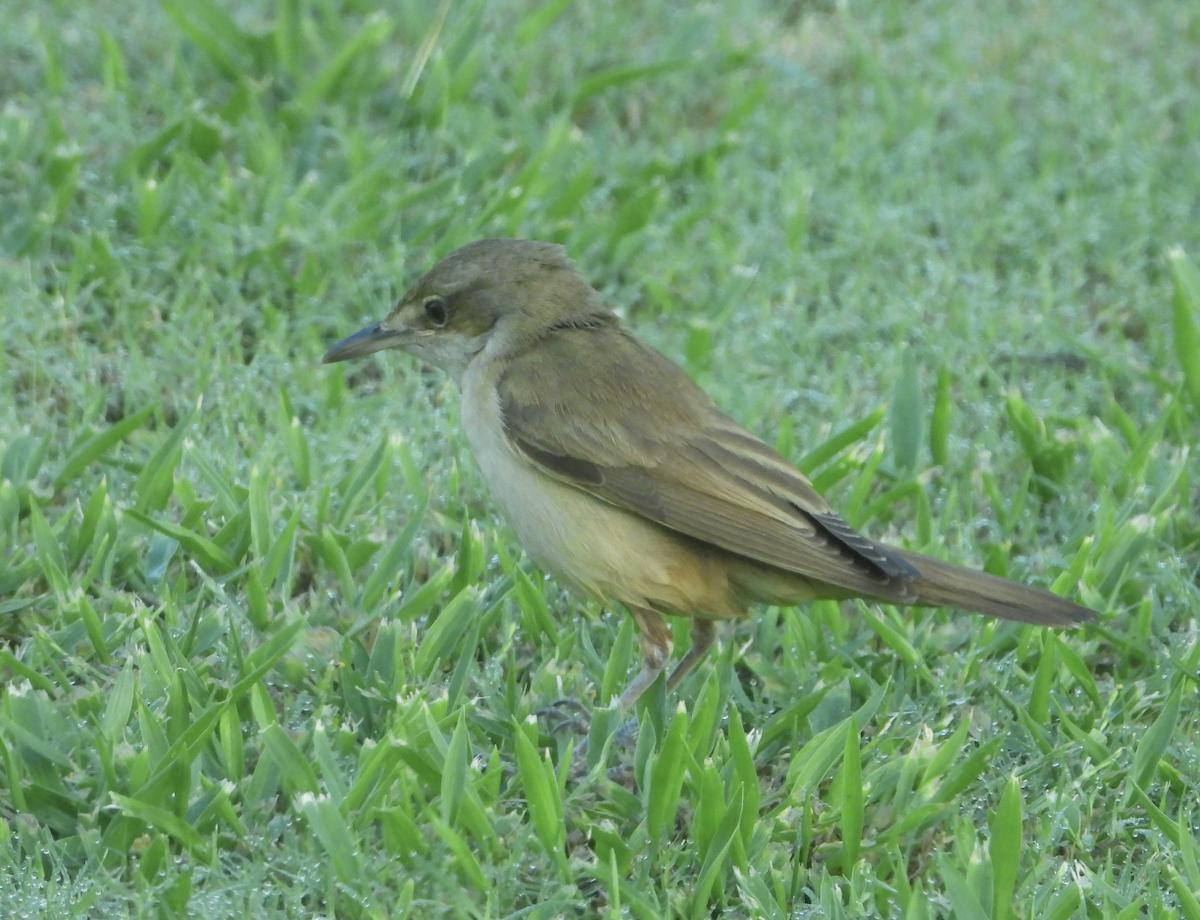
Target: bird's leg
[
  {"x": 655, "y": 638},
  {"x": 704, "y": 633},
  {"x": 657, "y": 643}
]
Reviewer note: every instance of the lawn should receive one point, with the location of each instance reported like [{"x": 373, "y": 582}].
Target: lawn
[{"x": 267, "y": 651}]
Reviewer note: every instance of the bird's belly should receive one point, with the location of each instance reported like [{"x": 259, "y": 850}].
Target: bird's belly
[{"x": 588, "y": 544}]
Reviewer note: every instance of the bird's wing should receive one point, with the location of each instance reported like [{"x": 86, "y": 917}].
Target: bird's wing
[{"x": 635, "y": 431}]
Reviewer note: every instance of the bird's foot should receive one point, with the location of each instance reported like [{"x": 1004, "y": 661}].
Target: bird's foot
[
  {"x": 571, "y": 715},
  {"x": 626, "y": 736},
  {"x": 566, "y": 715},
  {"x": 608, "y": 731}
]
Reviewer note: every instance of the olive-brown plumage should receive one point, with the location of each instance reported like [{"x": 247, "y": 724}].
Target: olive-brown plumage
[{"x": 622, "y": 478}]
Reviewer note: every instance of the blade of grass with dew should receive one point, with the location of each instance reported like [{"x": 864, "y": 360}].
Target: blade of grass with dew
[
  {"x": 542, "y": 795},
  {"x": 1153, "y": 746},
  {"x": 95, "y": 447},
  {"x": 907, "y": 415},
  {"x": 1186, "y": 280},
  {"x": 667, "y": 778},
  {"x": 1005, "y": 850},
  {"x": 852, "y": 799}
]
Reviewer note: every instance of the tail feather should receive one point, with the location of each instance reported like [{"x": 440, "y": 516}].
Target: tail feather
[{"x": 942, "y": 584}]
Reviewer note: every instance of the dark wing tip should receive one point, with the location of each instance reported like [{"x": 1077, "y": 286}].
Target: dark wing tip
[{"x": 864, "y": 548}]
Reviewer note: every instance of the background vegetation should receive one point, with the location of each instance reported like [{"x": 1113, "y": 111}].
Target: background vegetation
[{"x": 265, "y": 650}]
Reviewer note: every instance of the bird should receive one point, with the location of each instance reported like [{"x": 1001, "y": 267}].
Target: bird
[{"x": 622, "y": 478}]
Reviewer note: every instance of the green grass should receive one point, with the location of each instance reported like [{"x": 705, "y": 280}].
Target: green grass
[{"x": 266, "y": 651}]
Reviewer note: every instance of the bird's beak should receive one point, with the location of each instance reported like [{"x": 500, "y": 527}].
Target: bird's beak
[{"x": 364, "y": 342}]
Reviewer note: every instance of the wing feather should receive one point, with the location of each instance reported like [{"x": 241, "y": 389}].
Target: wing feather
[{"x": 642, "y": 436}]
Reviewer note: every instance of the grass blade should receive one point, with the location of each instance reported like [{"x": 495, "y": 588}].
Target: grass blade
[
  {"x": 421, "y": 58},
  {"x": 98, "y": 445},
  {"x": 625, "y": 73},
  {"x": 361, "y": 476},
  {"x": 1186, "y": 279},
  {"x": 214, "y": 32},
  {"x": 667, "y": 778},
  {"x": 939, "y": 422},
  {"x": 468, "y": 864},
  {"x": 207, "y": 553},
  {"x": 170, "y": 824},
  {"x": 328, "y": 823},
  {"x": 715, "y": 859},
  {"x": 447, "y": 630},
  {"x": 454, "y": 774},
  {"x": 542, "y": 795},
  {"x": 260, "y": 514},
  {"x": 1039, "y": 696},
  {"x": 852, "y": 799},
  {"x": 49, "y": 554},
  {"x": 746, "y": 774},
  {"x": 277, "y": 568},
  {"x": 295, "y": 442},
  {"x": 1153, "y": 746},
  {"x": 1189, "y": 905},
  {"x": 1005, "y": 850},
  {"x": 325, "y": 83},
  {"x": 298, "y": 773},
  {"x": 907, "y": 410},
  {"x": 156, "y": 480},
  {"x": 388, "y": 567},
  {"x": 964, "y": 904},
  {"x": 834, "y": 445},
  {"x": 539, "y": 20}
]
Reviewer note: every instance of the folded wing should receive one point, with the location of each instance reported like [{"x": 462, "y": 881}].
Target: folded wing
[{"x": 694, "y": 470}]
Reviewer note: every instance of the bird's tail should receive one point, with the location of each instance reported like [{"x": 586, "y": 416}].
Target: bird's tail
[{"x": 943, "y": 584}]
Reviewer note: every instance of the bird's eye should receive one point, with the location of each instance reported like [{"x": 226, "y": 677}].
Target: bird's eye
[{"x": 436, "y": 310}]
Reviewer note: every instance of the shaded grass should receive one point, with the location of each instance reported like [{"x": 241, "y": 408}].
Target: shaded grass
[{"x": 266, "y": 650}]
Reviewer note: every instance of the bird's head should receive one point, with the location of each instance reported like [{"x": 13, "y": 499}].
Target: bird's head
[{"x": 449, "y": 315}]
